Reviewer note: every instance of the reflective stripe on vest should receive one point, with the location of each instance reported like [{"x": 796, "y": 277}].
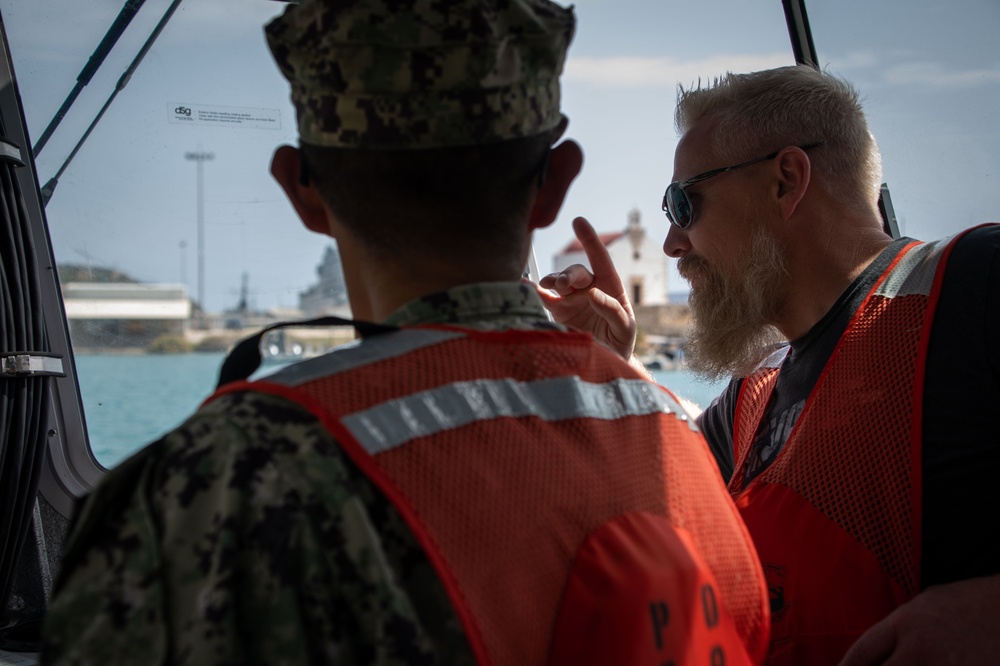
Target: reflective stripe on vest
[
  {"x": 535, "y": 439},
  {"x": 836, "y": 516},
  {"x": 395, "y": 422}
]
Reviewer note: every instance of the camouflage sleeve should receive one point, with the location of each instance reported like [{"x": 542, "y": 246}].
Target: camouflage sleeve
[{"x": 244, "y": 537}]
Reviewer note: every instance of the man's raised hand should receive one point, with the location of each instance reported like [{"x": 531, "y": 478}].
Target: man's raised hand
[{"x": 596, "y": 302}]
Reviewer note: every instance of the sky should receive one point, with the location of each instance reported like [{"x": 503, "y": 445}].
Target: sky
[{"x": 929, "y": 74}]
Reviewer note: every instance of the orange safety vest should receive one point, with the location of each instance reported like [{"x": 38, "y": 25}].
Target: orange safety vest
[
  {"x": 836, "y": 517},
  {"x": 570, "y": 508}
]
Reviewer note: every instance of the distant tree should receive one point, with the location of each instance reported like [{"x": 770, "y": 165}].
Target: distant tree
[
  {"x": 79, "y": 273},
  {"x": 214, "y": 344},
  {"x": 169, "y": 344}
]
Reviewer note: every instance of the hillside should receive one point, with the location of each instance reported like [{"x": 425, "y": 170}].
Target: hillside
[{"x": 78, "y": 273}]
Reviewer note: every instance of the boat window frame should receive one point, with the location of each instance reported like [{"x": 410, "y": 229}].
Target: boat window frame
[
  {"x": 69, "y": 471},
  {"x": 72, "y": 471}
]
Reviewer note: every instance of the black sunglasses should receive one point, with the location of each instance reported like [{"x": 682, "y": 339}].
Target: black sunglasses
[{"x": 676, "y": 203}]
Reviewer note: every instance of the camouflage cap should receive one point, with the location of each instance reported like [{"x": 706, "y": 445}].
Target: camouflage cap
[{"x": 412, "y": 74}]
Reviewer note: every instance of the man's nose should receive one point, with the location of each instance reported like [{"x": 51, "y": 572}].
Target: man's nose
[{"x": 677, "y": 244}]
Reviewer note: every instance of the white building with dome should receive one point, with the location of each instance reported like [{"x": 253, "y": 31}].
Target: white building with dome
[{"x": 639, "y": 259}]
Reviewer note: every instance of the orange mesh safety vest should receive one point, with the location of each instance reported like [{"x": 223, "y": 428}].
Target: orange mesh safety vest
[
  {"x": 836, "y": 517},
  {"x": 570, "y": 508}
]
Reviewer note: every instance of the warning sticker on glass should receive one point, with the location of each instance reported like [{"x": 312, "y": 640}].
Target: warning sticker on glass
[{"x": 224, "y": 116}]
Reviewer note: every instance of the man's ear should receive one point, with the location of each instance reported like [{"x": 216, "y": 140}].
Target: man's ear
[
  {"x": 564, "y": 164},
  {"x": 286, "y": 167},
  {"x": 794, "y": 173}
]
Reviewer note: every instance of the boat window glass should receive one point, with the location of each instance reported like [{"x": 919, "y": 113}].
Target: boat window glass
[
  {"x": 170, "y": 235},
  {"x": 929, "y": 75},
  {"x": 126, "y": 206},
  {"x": 167, "y": 205}
]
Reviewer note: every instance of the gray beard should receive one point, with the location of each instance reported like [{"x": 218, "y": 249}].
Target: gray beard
[{"x": 731, "y": 333}]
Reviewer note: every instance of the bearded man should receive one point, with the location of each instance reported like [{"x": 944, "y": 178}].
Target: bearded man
[{"x": 854, "y": 450}]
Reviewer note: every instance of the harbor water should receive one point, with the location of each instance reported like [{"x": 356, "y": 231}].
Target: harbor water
[{"x": 131, "y": 400}]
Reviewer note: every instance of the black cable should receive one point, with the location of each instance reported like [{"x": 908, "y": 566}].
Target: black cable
[
  {"x": 50, "y": 186},
  {"x": 23, "y": 400},
  {"x": 26, "y": 471},
  {"x": 16, "y": 396},
  {"x": 93, "y": 64},
  {"x": 8, "y": 391}
]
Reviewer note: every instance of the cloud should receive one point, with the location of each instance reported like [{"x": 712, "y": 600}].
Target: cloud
[
  {"x": 900, "y": 67},
  {"x": 630, "y": 72},
  {"x": 935, "y": 75},
  {"x": 858, "y": 60},
  {"x": 892, "y": 68}
]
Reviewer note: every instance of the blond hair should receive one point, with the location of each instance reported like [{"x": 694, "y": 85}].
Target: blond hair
[{"x": 759, "y": 112}]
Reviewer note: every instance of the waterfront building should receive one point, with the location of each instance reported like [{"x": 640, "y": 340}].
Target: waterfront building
[
  {"x": 638, "y": 257},
  {"x": 122, "y": 315}
]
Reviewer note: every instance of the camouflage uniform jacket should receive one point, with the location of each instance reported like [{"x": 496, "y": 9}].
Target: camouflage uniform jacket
[{"x": 246, "y": 536}]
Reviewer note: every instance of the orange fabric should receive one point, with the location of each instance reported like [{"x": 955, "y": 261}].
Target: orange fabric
[
  {"x": 640, "y": 593},
  {"x": 826, "y": 588},
  {"x": 523, "y": 494},
  {"x": 836, "y": 517}
]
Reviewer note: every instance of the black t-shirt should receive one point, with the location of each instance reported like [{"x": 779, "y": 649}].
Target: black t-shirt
[{"x": 961, "y": 444}]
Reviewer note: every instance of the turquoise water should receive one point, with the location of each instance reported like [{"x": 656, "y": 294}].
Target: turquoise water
[
  {"x": 685, "y": 384},
  {"x": 131, "y": 401}
]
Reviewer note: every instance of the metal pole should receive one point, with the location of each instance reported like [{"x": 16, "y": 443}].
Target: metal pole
[
  {"x": 201, "y": 241},
  {"x": 199, "y": 158},
  {"x": 800, "y": 33},
  {"x": 183, "y": 252}
]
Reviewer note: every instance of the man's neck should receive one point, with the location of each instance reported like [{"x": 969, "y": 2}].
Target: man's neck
[
  {"x": 377, "y": 288},
  {"x": 820, "y": 270}
]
